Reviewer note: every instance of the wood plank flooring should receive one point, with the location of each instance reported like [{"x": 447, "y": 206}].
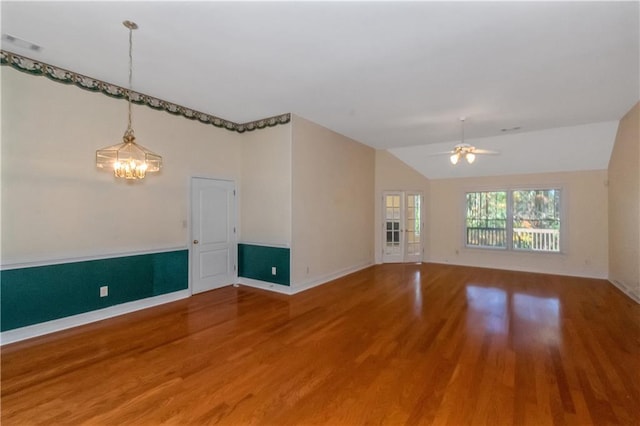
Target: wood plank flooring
[{"x": 393, "y": 344}]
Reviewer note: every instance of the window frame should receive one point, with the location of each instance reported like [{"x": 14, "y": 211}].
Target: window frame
[
  {"x": 507, "y": 222},
  {"x": 509, "y": 217}
]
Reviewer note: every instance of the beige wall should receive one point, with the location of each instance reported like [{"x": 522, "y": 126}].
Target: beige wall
[
  {"x": 585, "y": 225},
  {"x": 56, "y": 204},
  {"x": 624, "y": 205},
  {"x": 333, "y": 205},
  {"x": 265, "y": 196},
  {"x": 300, "y": 184},
  {"x": 394, "y": 175}
]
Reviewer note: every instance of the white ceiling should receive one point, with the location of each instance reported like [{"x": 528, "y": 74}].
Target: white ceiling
[
  {"x": 561, "y": 149},
  {"x": 387, "y": 74}
]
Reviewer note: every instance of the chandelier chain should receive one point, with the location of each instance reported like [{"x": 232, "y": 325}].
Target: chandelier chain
[{"x": 129, "y": 129}]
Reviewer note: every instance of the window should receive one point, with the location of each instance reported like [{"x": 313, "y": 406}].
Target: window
[
  {"x": 522, "y": 220},
  {"x": 487, "y": 219},
  {"x": 536, "y": 220}
]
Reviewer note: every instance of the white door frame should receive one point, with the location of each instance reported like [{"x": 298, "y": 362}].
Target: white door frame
[
  {"x": 190, "y": 229},
  {"x": 403, "y": 255}
]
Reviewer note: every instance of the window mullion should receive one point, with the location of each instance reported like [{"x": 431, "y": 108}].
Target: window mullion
[{"x": 510, "y": 220}]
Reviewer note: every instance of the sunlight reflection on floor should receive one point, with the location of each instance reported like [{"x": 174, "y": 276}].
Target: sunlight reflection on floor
[{"x": 491, "y": 309}]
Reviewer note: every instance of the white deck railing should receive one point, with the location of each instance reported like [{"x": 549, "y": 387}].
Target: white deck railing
[
  {"x": 537, "y": 239},
  {"x": 523, "y": 238}
]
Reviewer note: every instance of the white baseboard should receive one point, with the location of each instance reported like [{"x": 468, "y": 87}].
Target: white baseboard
[
  {"x": 626, "y": 290},
  {"x": 264, "y": 285},
  {"x": 518, "y": 269},
  {"x": 35, "y": 330},
  {"x": 290, "y": 290},
  {"x": 314, "y": 282}
]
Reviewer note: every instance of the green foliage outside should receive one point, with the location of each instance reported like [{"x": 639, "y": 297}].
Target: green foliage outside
[{"x": 539, "y": 209}]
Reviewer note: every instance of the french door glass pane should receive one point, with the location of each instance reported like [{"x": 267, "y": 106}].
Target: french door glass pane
[
  {"x": 414, "y": 245},
  {"x": 392, "y": 224}
]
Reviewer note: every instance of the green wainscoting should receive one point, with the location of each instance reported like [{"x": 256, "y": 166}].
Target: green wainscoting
[
  {"x": 44, "y": 293},
  {"x": 256, "y": 261}
]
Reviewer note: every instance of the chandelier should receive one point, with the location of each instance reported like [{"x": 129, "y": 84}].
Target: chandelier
[{"x": 128, "y": 160}]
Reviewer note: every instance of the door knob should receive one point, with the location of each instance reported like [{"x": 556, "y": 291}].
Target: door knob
[{"x": 195, "y": 241}]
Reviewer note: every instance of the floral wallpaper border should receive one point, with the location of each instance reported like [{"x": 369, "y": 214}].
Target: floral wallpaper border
[{"x": 31, "y": 66}]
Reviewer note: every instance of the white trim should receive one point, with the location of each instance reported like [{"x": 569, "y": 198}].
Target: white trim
[
  {"x": 53, "y": 326},
  {"x": 330, "y": 277},
  {"x": 273, "y": 245},
  {"x": 110, "y": 255},
  {"x": 213, "y": 177},
  {"x": 291, "y": 290},
  {"x": 629, "y": 292},
  {"x": 189, "y": 234},
  {"x": 518, "y": 269},
  {"x": 264, "y": 285}
]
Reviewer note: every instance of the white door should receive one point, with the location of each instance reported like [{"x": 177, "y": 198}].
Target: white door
[
  {"x": 213, "y": 225},
  {"x": 402, "y": 225}
]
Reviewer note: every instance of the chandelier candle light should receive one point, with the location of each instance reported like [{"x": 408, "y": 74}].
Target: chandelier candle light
[{"x": 128, "y": 160}]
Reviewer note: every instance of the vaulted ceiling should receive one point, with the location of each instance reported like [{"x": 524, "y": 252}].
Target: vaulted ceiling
[{"x": 392, "y": 75}]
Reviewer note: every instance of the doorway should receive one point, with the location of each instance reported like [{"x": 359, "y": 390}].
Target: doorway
[
  {"x": 213, "y": 229},
  {"x": 402, "y": 224}
]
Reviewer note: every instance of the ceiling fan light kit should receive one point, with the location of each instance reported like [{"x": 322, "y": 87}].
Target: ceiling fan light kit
[{"x": 465, "y": 151}]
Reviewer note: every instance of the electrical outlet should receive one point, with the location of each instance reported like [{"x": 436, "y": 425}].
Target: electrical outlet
[
  {"x": 104, "y": 291},
  {"x": 273, "y": 270}
]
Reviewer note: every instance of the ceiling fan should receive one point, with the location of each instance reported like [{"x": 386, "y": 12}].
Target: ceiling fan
[{"x": 464, "y": 150}]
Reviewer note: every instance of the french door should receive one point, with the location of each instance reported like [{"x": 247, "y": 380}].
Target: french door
[
  {"x": 402, "y": 239},
  {"x": 214, "y": 247}
]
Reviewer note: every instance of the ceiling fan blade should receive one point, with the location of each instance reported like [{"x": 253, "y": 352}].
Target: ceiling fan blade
[
  {"x": 434, "y": 154},
  {"x": 485, "y": 152}
]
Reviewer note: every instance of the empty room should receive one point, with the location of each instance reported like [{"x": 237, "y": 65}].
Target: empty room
[{"x": 320, "y": 213}]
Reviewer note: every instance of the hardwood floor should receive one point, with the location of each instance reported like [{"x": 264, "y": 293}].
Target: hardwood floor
[{"x": 393, "y": 344}]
